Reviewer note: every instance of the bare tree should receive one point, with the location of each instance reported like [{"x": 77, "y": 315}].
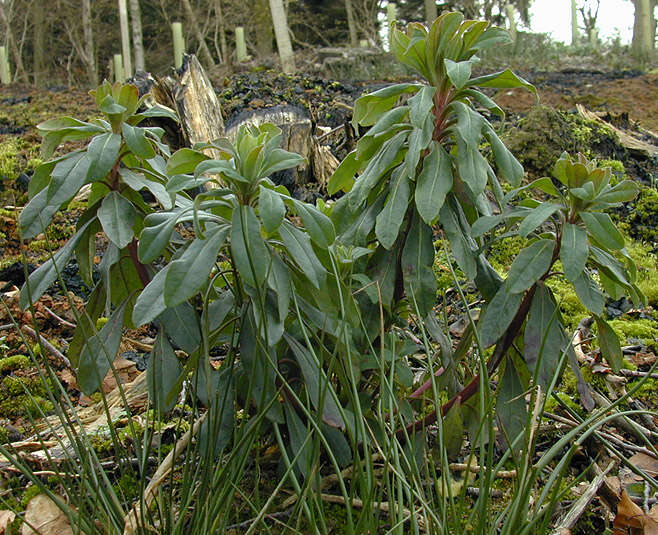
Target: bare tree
[
  {"x": 194, "y": 24},
  {"x": 138, "y": 40},
  {"x": 87, "y": 50},
  {"x": 351, "y": 24},
  {"x": 282, "y": 34},
  {"x": 589, "y": 19},
  {"x": 6, "y": 18},
  {"x": 644, "y": 29}
]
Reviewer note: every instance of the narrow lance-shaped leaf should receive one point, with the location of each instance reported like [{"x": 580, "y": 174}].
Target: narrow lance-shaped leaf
[
  {"x": 390, "y": 218},
  {"x": 117, "y": 216},
  {"x": 103, "y": 152},
  {"x": 250, "y": 253},
  {"x": 603, "y": 230},
  {"x": 574, "y": 250},
  {"x": 498, "y": 315},
  {"x": 433, "y": 183},
  {"x": 99, "y": 352},
  {"x": 589, "y": 293},
  {"x": 417, "y": 259},
  {"x": 531, "y": 264},
  {"x": 536, "y": 217},
  {"x": 271, "y": 209},
  {"x": 609, "y": 344},
  {"x": 508, "y": 166},
  {"x": 319, "y": 227},
  {"x": 189, "y": 273},
  {"x": 162, "y": 374}
]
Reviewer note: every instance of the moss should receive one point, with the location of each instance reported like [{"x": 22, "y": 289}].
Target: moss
[
  {"x": 647, "y": 393},
  {"x": 23, "y": 396},
  {"x": 502, "y": 253},
  {"x": 128, "y": 486},
  {"x": 545, "y": 133},
  {"x": 566, "y": 399},
  {"x": 639, "y": 219},
  {"x": 597, "y": 380},
  {"x": 15, "y": 362},
  {"x": 30, "y": 492},
  {"x": 9, "y": 158},
  {"x": 647, "y": 270},
  {"x": 572, "y": 309},
  {"x": 642, "y": 328}
]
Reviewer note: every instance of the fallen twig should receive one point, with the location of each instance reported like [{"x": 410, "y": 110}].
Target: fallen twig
[
  {"x": 47, "y": 346},
  {"x": 64, "y": 322}
]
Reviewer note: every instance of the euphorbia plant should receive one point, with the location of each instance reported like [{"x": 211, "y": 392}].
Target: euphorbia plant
[{"x": 421, "y": 166}]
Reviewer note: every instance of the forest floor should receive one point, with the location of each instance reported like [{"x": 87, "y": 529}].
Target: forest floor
[{"x": 626, "y": 100}]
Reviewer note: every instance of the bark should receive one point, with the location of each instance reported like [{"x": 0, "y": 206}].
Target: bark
[
  {"x": 221, "y": 26},
  {"x": 138, "y": 40},
  {"x": 354, "y": 38},
  {"x": 263, "y": 29},
  {"x": 282, "y": 36},
  {"x": 643, "y": 30},
  {"x": 430, "y": 11},
  {"x": 125, "y": 39},
  {"x": 38, "y": 64},
  {"x": 11, "y": 42},
  {"x": 88, "y": 53},
  {"x": 194, "y": 23},
  {"x": 511, "y": 19},
  {"x": 574, "y": 23}
]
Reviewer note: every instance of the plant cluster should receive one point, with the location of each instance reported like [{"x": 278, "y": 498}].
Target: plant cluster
[{"x": 305, "y": 302}]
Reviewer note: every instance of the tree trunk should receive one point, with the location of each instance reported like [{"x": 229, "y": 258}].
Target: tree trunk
[
  {"x": 643, "y": 29},
  {"x": 263, "y": 29},
  {"x": 282, "y": 36},
  {"x": 11, "y": 42},
  {"x": 138, "y": 40},
  {"x": 430, "y": 11},
  {"x": 125, "y": 39},
  {"x": 574, "y": 23},
  {"x": 351, "y": 24},
  {"x": 38, "y": 66},
  {"x": 226, "y": 57},
  {"x": 89, "y": 55},
  {"x": 194, "y": 23}
]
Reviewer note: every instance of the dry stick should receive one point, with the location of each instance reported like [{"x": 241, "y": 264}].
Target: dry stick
[
  {"x": 61, "y": 320},
  {"x": 132, "y": 518},
  {"x": 475, "y": 469},
  {"x": 578, "y": 508},
  {"x": 637, "y": 373},
  {"x": 47, "y": 346}
]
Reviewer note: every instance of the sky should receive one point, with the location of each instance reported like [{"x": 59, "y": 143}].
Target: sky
[{"x": 554, "y": 17}]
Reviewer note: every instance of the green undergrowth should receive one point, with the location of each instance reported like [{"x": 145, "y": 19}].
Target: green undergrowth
[
  {"x": 23, "y": 393},
  {"x": 545, "y": 133}
]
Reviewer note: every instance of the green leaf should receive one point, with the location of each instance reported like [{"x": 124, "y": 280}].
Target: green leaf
[
  {"x": 184, "y": 161},
  {"x": 498, "y": 315},
  {"x": 453, "y": 431},
  {"x": 544, "y": 337},
  {"x": 318, "y": 226},
  {"x": 219, "y": 389},
  {"x": 433, "y": 183},
  {"x": 625, "y": 191},
  {"x": 417, "y": 260},
  {"x": 137, "y": 142},
  {"x": 189, "y": 273},
  {"x": 485, "y": 223},
  {"x": 250, "y": 254},
  {"x": 458, "y": 72},
  {"x": 156, "y": 235},
  {"x": 278, "y": 160},
  {"x": 162, "y": 374},
  {"x": 390, "y": 218},
  {"x": 508, "y": 166},
  {"x": 117, "y": 216},
  {"x": 420, "y": 105},
  {"x": 511, "y": 407},
  {"x": 150, "y": 302},
  {"x": 589, "y": 293},
  {"x": 609, "y": 344},
  {"x": 300, "y": 448},
  {"x": 41, "y": 278},
  {"x": 369, "y": 108},
  {"x": 419, "y": 140},
  {"x": 103, "y": 153},
  {"x": 469, "y": 124},
  {"x": 85, "y": 252},
  {"x": 301, "y": 252},
  {"x": 376, "y": 169},
  {"x": 459, "y": 244},
  {"x": 271, "y": 209},
  {"x": 502, "y": 80},
  {"x": 182, "y": 326},
  {"x": 56, "y": 131},
  {"x": 391, "y": 121},
  {"x": 530, "y": 265},
  {"x": 137, "y": 182},
  {"x": 99, "y": 352},
  {"x": 472, "y": 168},
  {"x": 603, "y": 230},
  {"x": 574, "y": 250},
  {"x": 68, "y": 176},
  {"x": 484, "y": 101},
  {"x": 536, "y": 217},
  {"x": 279, "y": 281},
  {"x": 320, "y": 389},
  {"x": 343, "y": 177},
  {"x": 159, "y": 111}
]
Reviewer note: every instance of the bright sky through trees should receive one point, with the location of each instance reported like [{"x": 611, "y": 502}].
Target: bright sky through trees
[{"x": 553, "y": 16}]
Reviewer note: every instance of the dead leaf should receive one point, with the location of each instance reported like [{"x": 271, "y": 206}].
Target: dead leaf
[
  {"x": 6, "y": 518},
  {"x": 47, "y": 519},
  {"x": 645, "y": 462},
  {"x": 632, "y": 520}
]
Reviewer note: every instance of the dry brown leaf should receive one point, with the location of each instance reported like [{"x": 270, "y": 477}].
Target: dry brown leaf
[
  {"x": 632, "y": 520},
  {"x": 6, "y": 518},
  {"x": 645, "y": 462},
  {"x": 46, "y": 517}
]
